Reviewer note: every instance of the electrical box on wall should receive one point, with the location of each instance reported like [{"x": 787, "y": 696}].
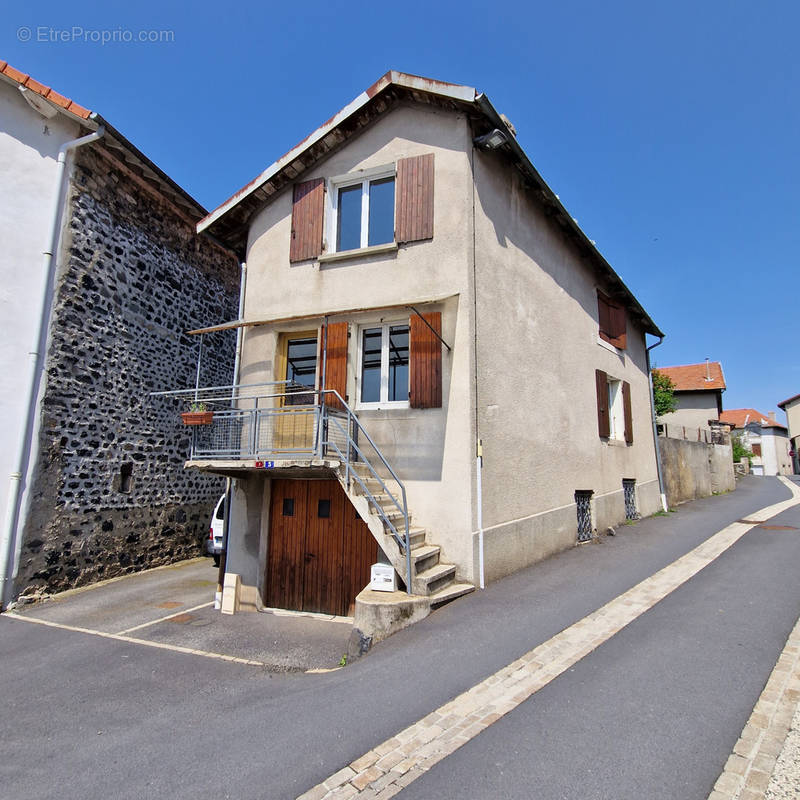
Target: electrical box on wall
[{"x": 383, "y": 578}]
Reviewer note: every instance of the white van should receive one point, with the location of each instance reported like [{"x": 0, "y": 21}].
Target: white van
[{"x": 214, "y": 541}]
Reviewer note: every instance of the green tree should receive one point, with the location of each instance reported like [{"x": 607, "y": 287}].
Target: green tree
[
  {"x": 740, "y": 452},
  {"x": 663, "y": 393}
]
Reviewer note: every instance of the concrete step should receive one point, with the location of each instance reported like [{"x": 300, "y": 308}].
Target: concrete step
[
  {"x": 425, "y": 557},
  {"x": 450, "y": 592},
  {"x": 417, "y": 538},
  {"x": 436, "y": 577}
]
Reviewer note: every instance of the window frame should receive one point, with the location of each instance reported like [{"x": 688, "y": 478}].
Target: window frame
[
  {"x": 364, "y": 178},
  {"x": 383, "y": 402}
]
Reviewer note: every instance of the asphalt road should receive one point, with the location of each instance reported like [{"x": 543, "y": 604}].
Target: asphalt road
[{"x": 654, "y": 712}]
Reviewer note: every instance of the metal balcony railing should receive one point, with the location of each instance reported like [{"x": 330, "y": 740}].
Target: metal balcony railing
[{"x": 285, "y": 421}]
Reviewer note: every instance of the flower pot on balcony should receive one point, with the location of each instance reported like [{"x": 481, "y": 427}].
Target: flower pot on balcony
[{"x": 197, "y": 417}]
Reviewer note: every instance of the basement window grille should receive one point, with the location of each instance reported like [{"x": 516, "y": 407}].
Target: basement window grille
[
  {"x": 126, "y": 477},
  {"x": 583, "y": 502},
  {"x": 629, "y": 492}
]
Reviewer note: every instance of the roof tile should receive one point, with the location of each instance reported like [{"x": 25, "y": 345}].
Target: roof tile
[
  {"x": 44, "y": 91},
  {"x": 739, "y": 417},
  {"x": 694, "y": 377}
]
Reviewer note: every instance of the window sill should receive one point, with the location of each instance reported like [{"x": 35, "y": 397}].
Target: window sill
[
  {"x": 612, "y": 442},
  {"x": 396, "y": 406},
  {"x": 360, "y": 252},
  {"x": 610, "y": 347}
]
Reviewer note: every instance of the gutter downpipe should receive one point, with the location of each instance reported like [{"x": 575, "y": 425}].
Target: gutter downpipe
[
  {"x": 17, "y": 485},
  {"x": 237, "y": 360},
  {"x": 655, "y": 429}
]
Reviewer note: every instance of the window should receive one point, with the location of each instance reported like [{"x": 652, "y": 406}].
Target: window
[
  {"x": 378, "y": 206},
  {"x": 614, "y": 409},
  {"x": 362, "y": 213},
  {"x": 612, "y": 328},
  {"x": 383, "y": 365},
  {"x": 583, "y": 505},
  {"x": 301, "y": 369}
]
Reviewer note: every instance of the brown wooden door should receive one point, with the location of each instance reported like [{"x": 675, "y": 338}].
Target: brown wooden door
[{"x": 319, "y": 551}]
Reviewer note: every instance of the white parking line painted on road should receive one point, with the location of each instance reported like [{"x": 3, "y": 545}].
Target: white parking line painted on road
[
  {"x": 121, "y": 638},
  {"x": 164, "y": 619},
  {"x": 391, "y": 766}
]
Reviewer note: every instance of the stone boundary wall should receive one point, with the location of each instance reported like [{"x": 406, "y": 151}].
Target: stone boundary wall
[
  {"x": 109, "y": 493},
  {"x": 695, "y": 469}
]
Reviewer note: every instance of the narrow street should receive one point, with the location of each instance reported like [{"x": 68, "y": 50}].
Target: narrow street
[{"x": 646, "y": 699}]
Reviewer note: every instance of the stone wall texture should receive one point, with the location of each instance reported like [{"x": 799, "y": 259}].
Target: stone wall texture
[
  {"x": 109, "y": 493},
  {"x": 695, "y": 469}
]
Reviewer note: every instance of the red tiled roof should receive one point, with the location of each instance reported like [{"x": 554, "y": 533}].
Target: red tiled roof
[
  {"x": 739, "y": 417},
  {"x": 45, "y": 91},
  {"x": 693, "y": 377}
]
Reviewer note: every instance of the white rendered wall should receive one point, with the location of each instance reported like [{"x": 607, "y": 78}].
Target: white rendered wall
[{"x": 29, "y": 146}]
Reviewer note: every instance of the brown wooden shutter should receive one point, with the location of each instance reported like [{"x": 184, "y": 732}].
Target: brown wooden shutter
[
  {"x": 308, "y": 212},
  {"x": 336, "y": 364},
  {"x": 414, "y": 199},
  {"x": 628, "y": 411},
  {"x": 603, "y": 419},
  {"x": 425, "y": 367},
  {"x": 619, "y": 327}
]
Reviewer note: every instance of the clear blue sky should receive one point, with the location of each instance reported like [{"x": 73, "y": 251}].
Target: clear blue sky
[{"x": 670, "y": 131}]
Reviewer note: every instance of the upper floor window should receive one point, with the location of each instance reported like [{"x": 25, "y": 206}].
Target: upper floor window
[
  {"x": 370, "y": 208},
  {"x": 613, "y": 325},
  {"x": 363, "y": 211}
]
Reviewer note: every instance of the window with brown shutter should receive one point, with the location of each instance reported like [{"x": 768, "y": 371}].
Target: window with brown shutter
[
  {"x": 612, "y": 321},
  {"x": 335, "y": 340},
  {"x": 414, "y": 199},
  {"x": 603, "y": 418},
  {"x": 425, "y": 379},
  {"x": 308, "y": 213},
  {"x": 756, "y": 449}
]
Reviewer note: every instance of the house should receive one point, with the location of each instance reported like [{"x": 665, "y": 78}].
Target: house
[
  {"x": 764, "y": 436},
  {"x": 698, "y": 392},
  {"x": 102, "y": 274},
  {"x": 792, "y": 409},
  {"x": 439, "y": 370}
]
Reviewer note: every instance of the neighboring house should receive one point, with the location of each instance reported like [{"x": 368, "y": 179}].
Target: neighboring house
[
  {"x": 767, "y": 439},
  {"x": 698, "y": 394},
  {"x": 792, "y": 409},
  {"x": 408, "y": 256},
  {"x": 102, "y": 273}
]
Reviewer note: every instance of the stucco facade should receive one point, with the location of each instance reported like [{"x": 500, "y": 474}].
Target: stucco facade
[
  {"x": 520, "y": 355},
  {"x": 694, "y": 409},
  {"x": 792, "y": 409}
]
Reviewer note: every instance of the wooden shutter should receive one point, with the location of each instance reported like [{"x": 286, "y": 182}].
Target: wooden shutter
[
  {"x": 308, "y": 212},
  {"x": 628, "y": 411},
  {"x": 603, "y": 419},
  {"x": 413, "y": 219},
  {"x": 425, "y": 367},
  {"x": 612, "y": 321},
  {"x": 336, "y": 364}
]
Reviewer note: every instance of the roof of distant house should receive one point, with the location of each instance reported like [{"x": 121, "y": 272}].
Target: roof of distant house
[
  {"x": 739, "y": 417},
  {"x": 230, "y": 222},
  {"x": 696, "y": 377},
  {"x": 131, "y": 156},
  {"x": 788, "y": 400}
]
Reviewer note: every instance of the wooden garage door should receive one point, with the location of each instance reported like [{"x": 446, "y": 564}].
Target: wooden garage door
[{"x": 319, "y": 551}]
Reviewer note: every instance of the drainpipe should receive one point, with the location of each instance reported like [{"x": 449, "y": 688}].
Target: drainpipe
[
  {"x": 655, "y": 429},
  {"x": 237, "y": 361},
  {"x": 30, "y": 429},
  {"x": 478, "y": 469}
]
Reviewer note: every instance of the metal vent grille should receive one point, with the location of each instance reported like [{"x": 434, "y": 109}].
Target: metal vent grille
[
  {"x": 583, "y": 502},
  {"x": 629, "y": 492}
]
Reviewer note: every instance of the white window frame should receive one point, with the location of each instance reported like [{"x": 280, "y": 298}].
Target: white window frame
[
  {"x": 384, "y": 402},
  {"x": 363, "y": 177},
  {"x": 616, "y": 409}
]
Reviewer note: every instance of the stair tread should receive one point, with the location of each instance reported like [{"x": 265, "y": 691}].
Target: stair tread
[
  {"x": 450, "y": 592},
  {"x": 425, "y": 551},
  {"x": 435, "y": 572}
]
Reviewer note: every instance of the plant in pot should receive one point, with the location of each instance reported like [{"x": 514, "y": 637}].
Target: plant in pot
[{"x": 198, "y": 414}]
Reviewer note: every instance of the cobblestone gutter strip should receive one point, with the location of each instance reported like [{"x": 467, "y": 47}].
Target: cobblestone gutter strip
[
  {"x": 384, "y": 771},
  {"x": 750, "y": 773}
]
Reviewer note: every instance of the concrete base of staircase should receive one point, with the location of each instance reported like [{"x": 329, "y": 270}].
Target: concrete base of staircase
[{"x": 380, "y": 614}]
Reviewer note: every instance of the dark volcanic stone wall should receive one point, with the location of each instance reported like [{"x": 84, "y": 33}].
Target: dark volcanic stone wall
[{"x": 110, "y": 494}]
